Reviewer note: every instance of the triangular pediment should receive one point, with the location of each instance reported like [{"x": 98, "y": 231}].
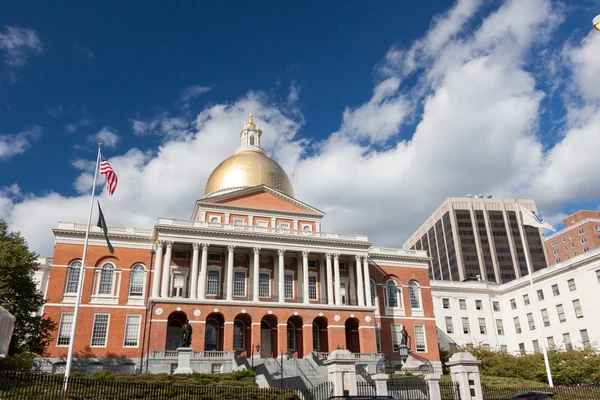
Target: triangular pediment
[{"x": 263, "y": 198}]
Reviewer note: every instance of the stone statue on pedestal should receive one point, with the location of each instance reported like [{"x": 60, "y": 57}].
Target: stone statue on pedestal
[
  {"x": 186, "y": 334},
  {"x": 404, "y": 339}
]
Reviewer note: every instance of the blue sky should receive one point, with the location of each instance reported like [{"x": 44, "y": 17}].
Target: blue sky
[{"x": 363, "y": 91}]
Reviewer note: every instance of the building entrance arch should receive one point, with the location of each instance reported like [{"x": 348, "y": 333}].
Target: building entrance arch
[
  {"x": 352, "y": 339},
  {"x": 213, "y": 332},
  {"x": 268, "y": 336},
  {"x": 174, "y": 324}
]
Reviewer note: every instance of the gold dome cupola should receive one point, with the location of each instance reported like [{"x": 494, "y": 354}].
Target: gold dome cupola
[{"x": 249, "y": 166}]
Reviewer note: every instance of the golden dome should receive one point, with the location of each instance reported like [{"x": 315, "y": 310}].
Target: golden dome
[{"x": 246, "y": 169}]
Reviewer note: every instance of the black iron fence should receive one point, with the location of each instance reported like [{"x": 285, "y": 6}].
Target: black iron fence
[
  {"x": 320, "y": 392},
  {"x": 27, "y": 386},
  {"x": 365, "y": 389},
  {"x": 449, "y": 391},
  {"x": 408, "y": 388},
  {"x": 560, "y": 392}
]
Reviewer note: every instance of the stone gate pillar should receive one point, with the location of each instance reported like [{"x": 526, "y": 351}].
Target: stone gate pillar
[
  {"x": 464, "y": 370},
  {"x": 341, "y": 371}
]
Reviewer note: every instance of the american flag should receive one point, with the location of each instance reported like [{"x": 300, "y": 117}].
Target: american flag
[{"x": 111, "y": 176}]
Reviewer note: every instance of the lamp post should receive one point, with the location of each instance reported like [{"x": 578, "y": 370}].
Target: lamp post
[
  {"x": 596, "y": 22},
  {"x": 404, "y": 352},
  {"x": 288, "y": 355},
  {"x": 257, "y": 350}
]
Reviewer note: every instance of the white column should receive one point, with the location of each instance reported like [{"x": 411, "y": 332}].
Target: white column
[
  {"x": 352, "y": 295},
  {"x": 166, "y": 273},
  {"x": 299, "y": 279},
  {"x": 255, "y": 274},
  {"x": 305, "y": 276},
  {"x": 157, "y": 269},
  {"x": 330, "y": 295},
  {"x": 281, "y": 277},
  {"x": 323, "y": 293},
  {"x": 203, "y": 267},
  {"x": 360, "y": 283},
  {"x": 367, "y": 280},
  {"x": 336, "y": 272},
  {"x": 275, "y": 278},
  {"x": 230, "y": 272},
  {"x": 194, "y": 277}
]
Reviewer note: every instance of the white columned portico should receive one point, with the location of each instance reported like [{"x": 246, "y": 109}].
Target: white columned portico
[
  {"x": 351, "y": 297},
  {"x": 280, "y": 253},
  {"x": 322, "y": 286},
  {"x": 367, "y": 280},
  {"x": 166, "y": 272},
  {"x": 360, "y": 283},
  {"x": 203, "y": 266},
  {"x": 336, "y": 272},
  {"x": 230, "y": 272},
  {"x": 255, "y": 274},
  {"x": 194, "y": 277},
  {"x": 158, "y": 269},
  {"x": 330, "y": 296},
  {"x": 305, "y": 299}
]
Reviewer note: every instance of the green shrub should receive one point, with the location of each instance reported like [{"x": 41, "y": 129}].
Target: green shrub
[{"x": 22, "y": 362}]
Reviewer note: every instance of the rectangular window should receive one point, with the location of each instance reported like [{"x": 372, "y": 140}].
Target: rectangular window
[
  {"x": 584, "y": 240},
  {"x": 577, "y": 307},
  {"x": 180, "y": 255},
  {"x": 396, "y": 337},
  {"x": 284, "y": 227},
  {"x": 503, "y": 348},
  {"x": 513, "y": 304},
  {"x": 465, "y": 324},
  {"x": 531, "y": 322},
  {"x": 482, "y": 327},
  {"x": 100, "y": 330},
  {"x": 478, "y": 305},
  {"x": 557, "y": 261},
  {"x": 312, "y": 264},
  {"x": 496, "y": 306},
  {"x": 462, "y": 304},
  {"x": 526, "y": 299},
  {"x": 536, "y": 346},
  {"x": 72, "y": 278},
  {"x": 521, "y": 347},
  {"x": 449, "y": 325},
  {"x": 64, "y": 329},
  {"x": 550, "y": 340},
  {"x": 500, "y": 327},
  {"x": 540, "y": 294},
  {"x": 517, "y": 324},
  {"x": 238, "y": 223},
  {"x": 342, "y": 266},
  {"x": 264, "y": 285},
  {"x": 586, "y": 249},
  {"x": 581, "y": 231},
  {"x": 178, "y": 285},
  {"x": 446, "y": 302},
  {"x": 567, "y": 340},
  {"x": 553, "y": 244},
  {"x": 420, "y": 342},
  {"x": 378, "y": 339},
  {"x": 288, "y": 286},
  {"x": 132, "y": 330},
  {"x": 555, "y": 290},
  {"x": 263, "y": 226},
  {"x": 214, "y": 257},
  {"x": 585, "y": 338},
  {"x": 312, "y": 287},
  {"x": 561, "y": 313},
  {"x": 214, "y": 282},
  {"x": 555, "y": 252},
  {"x": 216, "y": 368},
  {"x": 572, "y": 286},
  {"x": 545, "y": 317},
  {"x": 239, "y": 283}
]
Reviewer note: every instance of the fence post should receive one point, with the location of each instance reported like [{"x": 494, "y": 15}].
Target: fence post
[
  {"x": 464, "y": 370},
  {"x": 381, "y": 381},
  {"x": 433, "y": 384},
  {"x": 341, "y": 371}
]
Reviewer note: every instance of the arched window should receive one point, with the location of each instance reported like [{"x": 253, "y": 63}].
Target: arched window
[
  {"x": 214, "y": 220},
  {"x": 392, "y": 294},
  {"x": 291, "y": 336},
  {"x": 413, "y": 293},
  {"x": 107, "y": 274},
  {"x": 239, "y": 335},
  {"x": 136, "y": 284},
  {"x": 73, "y": 276},
  {"x": 315, "y": 333},
  {"x": 211, "y": 335},
  {"x": 251, "y": 140},
  {"x": 373, "y": 293}
]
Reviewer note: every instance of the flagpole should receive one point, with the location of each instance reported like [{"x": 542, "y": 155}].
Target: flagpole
[
  {"x": 539, "y": 322},
  {"x": 81, "y": 275}
]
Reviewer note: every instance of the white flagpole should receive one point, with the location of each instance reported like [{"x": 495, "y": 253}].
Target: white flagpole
[
  {"x": 81, "y": 275},
  {"x": 539, "y": 322}
]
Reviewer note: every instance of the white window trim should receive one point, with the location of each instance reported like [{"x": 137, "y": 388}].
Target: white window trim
[
  {"x": 265, "y": 271},
  {"x": 179, "y": 271},
  {"x": 244, "y": 331},
  {"x": 137, "y": 300},
  {"x": 306, "y": 232},
  {"x": 398, "y": 335},
  {"x": 400, "y": 305},
  {"x": 245, "y": 271},
  {"x": 218, "y": 269},
  {"x": 59, "y": 326},
  {"x": 317, "y": 283},
  {"x": 284, "y": 227},
  {"x": 113, "y": 297},
  {"x": 125, "y": 331},
  {"x": 286, "y": 272},
  {"x": 107, "y": 331},
  {"x": 213, "y": 223},
  {"x": 424, "y": 338},
  {"x": 240, "y": 225}
]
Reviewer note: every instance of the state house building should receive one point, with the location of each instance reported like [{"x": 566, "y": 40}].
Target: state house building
[{"x": 253, "y": 272}]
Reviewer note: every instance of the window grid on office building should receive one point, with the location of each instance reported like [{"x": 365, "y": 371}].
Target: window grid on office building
[
  {"x": 550, "y": 340},
  {"x": 449, "y": 325},
  {"x": 572, "y": 285},
  {"x": 264, "y": 289},
  {"x": 567, "y": 340},
  {"x": 482, "y": 327},
  {"x": 555, "y": 290},
  {"x": 396, "y": 336},
  {"x": 526, "y": 299},
  {"x": 540, "y": 294},
  {"x": 577, "y": 307},
  {"x": 513, "y": 304},
  {"x": 420, "y": 342},
  {"x": 132, "y": 330},
  {"x": 100, "y": 330},
  {"x": 465, "y": 324},
  {"x": 462, "y": 304},
  {"x": 478, "y": 305},
  {"x": 212, "y": 287},
  {"x": 561, "y": 313},
  {"x": 531, "y": 322},
  {"x": 64, "y": 330},
  {"x": 288, "y": 286},
  {"x": 500, "y": 327},
  {"x": 239, "y": 283},
  {"x": 496, "y": 306},
  {"x": 517, "y": 324},
  {"x": 312, "y": 287},
  {"x": 536, "y": 346},
  {"x": 545, "y": 317},
  {"x": 585, "y": 338}
]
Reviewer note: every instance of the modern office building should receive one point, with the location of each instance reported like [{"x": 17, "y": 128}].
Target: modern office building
[
  {"x": 581, "y": 234},
  {"x": 478, "y": 238},
  {"x": 504, "y": 316}
]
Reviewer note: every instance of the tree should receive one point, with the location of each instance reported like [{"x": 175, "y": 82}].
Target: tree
[{"x": 19, "y": 295}]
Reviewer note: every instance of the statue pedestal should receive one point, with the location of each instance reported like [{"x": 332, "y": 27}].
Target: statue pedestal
[{"x": 184, "y": 355}]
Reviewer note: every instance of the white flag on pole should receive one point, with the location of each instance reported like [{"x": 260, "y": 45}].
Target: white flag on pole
[{"x": 532, "y": 219}]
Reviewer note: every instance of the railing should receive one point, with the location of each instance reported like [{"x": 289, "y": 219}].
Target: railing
[
  {"x": 360, "y": 370},
  {"x": 365, "y": 389},
  {"x": 195, "y": 354},
  {"x": 123, "y": 230},
  {"x": 260, "y": 229},
  {"x": 368, "y": 356},
  {"x": 304, "y": 378},
  {"x": 320, "y": 356}
]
